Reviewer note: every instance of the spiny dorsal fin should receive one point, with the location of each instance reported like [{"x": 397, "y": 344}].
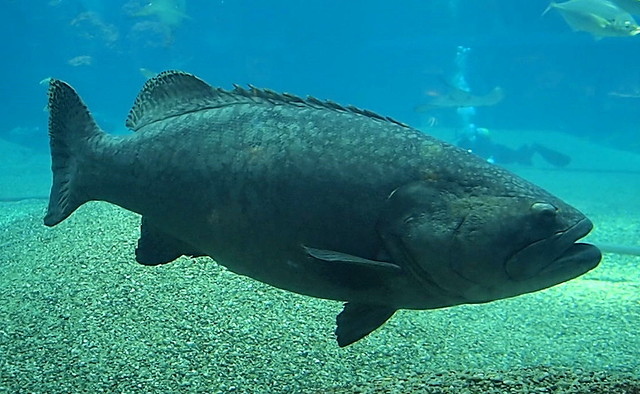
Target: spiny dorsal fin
[
  {"x": 173, "y": 93},
  {"x": 170, "y": 93}
]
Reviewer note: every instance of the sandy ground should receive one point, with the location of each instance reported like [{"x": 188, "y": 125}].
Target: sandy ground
[{"x": 79, "y": 315}]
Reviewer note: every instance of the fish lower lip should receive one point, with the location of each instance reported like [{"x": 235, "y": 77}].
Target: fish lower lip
[
  {"x": 581, "y": 254},
  {"x": 574, "y": 252},
  {"x": 559, "y": 252}
]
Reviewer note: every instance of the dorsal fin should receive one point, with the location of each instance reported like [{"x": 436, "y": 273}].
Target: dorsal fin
[
  {"x": 168, "y": 94},
  {"x": 173, "y": 93}
]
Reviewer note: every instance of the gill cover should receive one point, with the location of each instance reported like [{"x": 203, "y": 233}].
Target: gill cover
[{"x": 420, "y": 217}]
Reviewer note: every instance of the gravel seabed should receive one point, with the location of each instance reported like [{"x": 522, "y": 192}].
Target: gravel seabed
[{"x": 78, "y": 314}]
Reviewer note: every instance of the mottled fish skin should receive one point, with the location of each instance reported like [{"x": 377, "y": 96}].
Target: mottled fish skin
[{"x": 315, "y": 198}]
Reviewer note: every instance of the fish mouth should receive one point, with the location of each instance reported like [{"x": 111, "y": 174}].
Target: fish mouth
[{"x": 558, "y": 256}]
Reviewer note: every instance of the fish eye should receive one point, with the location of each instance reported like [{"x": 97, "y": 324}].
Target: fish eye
[{"x": 544, "y": 209}]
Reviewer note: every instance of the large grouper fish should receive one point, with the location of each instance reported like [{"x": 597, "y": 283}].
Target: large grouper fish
[{"x": 313, "y": 197}]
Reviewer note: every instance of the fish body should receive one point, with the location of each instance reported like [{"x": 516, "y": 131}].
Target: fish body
[
  {"x": 601, "y": 18},
  {"x": 315, "y": 198},
  {"x": 631, "y": 6}
]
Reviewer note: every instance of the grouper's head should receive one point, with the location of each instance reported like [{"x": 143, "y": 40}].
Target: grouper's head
[{"x": 481, "y": 244}]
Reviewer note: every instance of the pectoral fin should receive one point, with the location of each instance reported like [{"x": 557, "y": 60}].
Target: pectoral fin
[
  {"x": 157, "y": 247},
  {"x": 358, "y": 320},
  {"x": 344, "y": 258}
]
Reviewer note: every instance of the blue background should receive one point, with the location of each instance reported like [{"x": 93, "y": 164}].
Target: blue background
[{"x": 380, "y": 55}]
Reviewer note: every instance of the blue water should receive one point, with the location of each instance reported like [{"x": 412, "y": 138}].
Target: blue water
[
  {"x": 563, "y": 89},
  {"x": 378, "y": 55}
]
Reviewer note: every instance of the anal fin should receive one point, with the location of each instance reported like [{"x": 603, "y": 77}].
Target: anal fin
[
  {"x": 157, "y": 247},
  {"x": 358, "y": 320}
]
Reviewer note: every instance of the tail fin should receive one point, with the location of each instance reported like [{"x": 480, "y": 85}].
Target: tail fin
[
  {"x": 550, "y": 6},
  {"x": 70, "y": 127}
]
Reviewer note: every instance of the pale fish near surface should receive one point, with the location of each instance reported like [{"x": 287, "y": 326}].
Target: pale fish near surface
[{"x": 601, "y": 18}]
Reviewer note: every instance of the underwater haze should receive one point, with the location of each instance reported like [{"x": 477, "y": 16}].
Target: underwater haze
[{"x": 524, "y": 87}]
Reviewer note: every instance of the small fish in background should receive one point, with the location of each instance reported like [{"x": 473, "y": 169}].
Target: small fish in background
[
  {"x": 82, "y": 60},
  {"x": 159, "y": 21},
  {"x": 459, "y": 98},
  {"x": 626, "y": 88},
  {"x": 625, "y": 94},
  {"x": 601, "y": 18},
  {"x": 90, "y": 26},
  {"x": 146, "y": 73},
  {"x": 169, "y": 12}
]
